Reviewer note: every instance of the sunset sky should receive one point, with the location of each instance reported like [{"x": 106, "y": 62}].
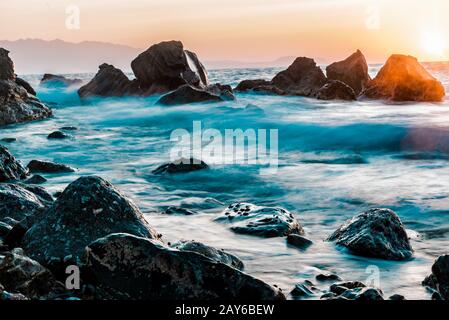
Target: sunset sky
[{"x": 246, "y": 30}]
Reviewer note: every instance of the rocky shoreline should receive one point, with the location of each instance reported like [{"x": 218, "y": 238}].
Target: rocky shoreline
[{"x": 94, "y": 226}]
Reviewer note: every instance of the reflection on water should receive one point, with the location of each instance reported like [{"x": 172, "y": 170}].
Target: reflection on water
[{"x": 336, "y": 159}]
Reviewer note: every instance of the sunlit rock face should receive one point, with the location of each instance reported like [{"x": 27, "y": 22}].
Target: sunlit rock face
[{"x": 403, "y": 78}]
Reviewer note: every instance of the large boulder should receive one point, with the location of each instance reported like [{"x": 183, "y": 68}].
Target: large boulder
[
  {"x": 302, "y": 78},
  {"x": 109, "y": 82},
  {"x": 247, "y": 218},
  {"x": 19, "y": 273},
  {"x": 336, "y": 90},
  {"x": 439, "y": 278},
  {"x": 88, "y": 209},
  {"x": 19, "y": 201},
  {"x": 375, "y": 233},
  {"x": 124, "y": 266},
  {"x": 17, "y": 104},
  {"x": 210, "y": 252},
  {"x": 353, "y": 71},
  {"x": 10, "y": 168},
  {"x": 166, "y": 66},
  {"x": 59, "y": 81},
  {"x": 187, "y": 94},
  {"x": 403, "y": 78}
]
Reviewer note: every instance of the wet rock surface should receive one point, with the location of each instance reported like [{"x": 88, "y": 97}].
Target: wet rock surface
[
  {"x": 299, "y": 241},
  {"x": 36, "y": 179},
  {"x": 164, "y": 273},
  {"x": 438, "y": 280},
  {"x": 304, "y": 289},
  {"x": 336, "y": 90},
  {"x": 247, "y": 218},
  {"x": 403, "y": 78},
  {"x": 58, "y": 135},
  {"x": 10, "y": 168},
  {"x": 210, "y": 252},
  {"x": 375, "y": 233},
  {"x": 352, "y": 71},
  {"x": 353, "y": 290},
  {"x": 89, "y": 208},
  {"x": 258, "y": 86},
  {"x": 188, "y": 94},
  {"x": 39, "y": 166},
  {"x": 25, "y": 85},
  {"x": 178, "y": 211},
  {"x": 58, "y": 81},
  {"x": 182, "y": 165}
]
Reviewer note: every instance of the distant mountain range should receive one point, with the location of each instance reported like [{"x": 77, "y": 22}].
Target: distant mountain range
[{"x": 35, "y": 56}]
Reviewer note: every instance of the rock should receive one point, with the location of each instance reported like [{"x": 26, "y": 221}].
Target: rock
[
  {"x": 352, "y": 71},
  {"x": 336, "y": 90},
  {"x": 224, "y": 91},
  {"x": 178, "y": 211},
  {"x": 302, "y": 78},
  {"x": 17, "y": 104},
  {"x": 4, "y": 229},
  {"x": 327, "y": 277},
  {"x": 210, "y": 252},
  {"x": 15, "y": 236},
  {"x": 304, "y": 289},
  {"x": 187, "y": 94},
  {"x": 59, "y": 81},
  {"x": 8, "y": 140},
  {"x": 36, "y": 179},
  {"x": 397, "y": 297},
  {"x": 258, "y": 86},
  {"x": 39, "y": 166},
  {"x": 164, "y": 273},
  {"x": 88, "y": 209},
  {"x": 109, "y": 82},
  {"x": 19, "y": 201},
  {"x": 25, "y": 85},
  {"x": 439, "y": 278},
  {"x": 339, "y": 288},
  {"x": 21, "y": 274},
  {"x": 6, "y": 66},
  {"x": 58, "y": 135},
  {"x": 10, "y": 168},
  {"x": 299, "y": 241},
  {"x": 247, "y": 218},
  {"x": 166, "y": 66},
  {"x": 353, "y": 291},
  {"x": 182, "y": 165},
  {"x": 375, "y": 233},
  {"x": 403, "y": 78},
  {"x": 69, "y": 128}
]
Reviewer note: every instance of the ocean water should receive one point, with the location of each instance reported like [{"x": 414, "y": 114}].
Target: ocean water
[{"x": 336, "y": 159}]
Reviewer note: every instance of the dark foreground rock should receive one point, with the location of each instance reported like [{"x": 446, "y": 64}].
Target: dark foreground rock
[
  {"x": 439, "y": 279},
  {"x": 353, "y": 291},
  {"x": 182, "y": 165},
  {"x": 210, "y": 252},
  {"x": 304, "y": 289},
  {"x": 39, "y": 166},
  {"x": 17, "y": 104},
  {"x": 59, "y": 81},
  {"x": 403, "y": 78},
  {"x": 299, "y": 241},
  {"x": 36, "y": 179},
  {"x": 302, "y": 78},
  {"x": 258, "y": 86},
  {"x": 58, "y": 135},
  {"x": 352, "y": 71},
  {"x": 188, "y": 94},
  {"x": 163, "y": 273},
  {"x": 10, "y": 168},
  {"x": 336, "y": 90},
  {"x": 19, "y": 201},
  {"x": 20, "y": 274},
  {"x": 375, "y": 233},
  {"x": 247, "y": 218},
  {"x": 109, "y": 82},
  {"x": 88, "y": 209},
  {"x": 26, "y": 86}
]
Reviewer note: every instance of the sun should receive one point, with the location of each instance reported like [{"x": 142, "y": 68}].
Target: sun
[{"x": 434, "y": 43}]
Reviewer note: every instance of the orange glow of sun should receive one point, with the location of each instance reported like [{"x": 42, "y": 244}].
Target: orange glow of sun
[{"x": 434, "y": 43}]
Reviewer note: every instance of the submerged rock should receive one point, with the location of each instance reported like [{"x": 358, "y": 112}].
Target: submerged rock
[
  {"x": 182, "y": 165},
  {"x": 163, "y": 273},
  {"x": 210, "y": 252},
  {"x": 17, "y": 104},
  {"x": 439, "y": 278},
  {"x": 375, "y": 233},
  {"x": 39, "y": 166},
  {"x": 302, "y": 78},
  {"x": 188, "y": 94},
  {"x": 304, "y": 289},
  {"x": 247, "y": 218},
  {"x": 59, "y": 81},
  {"x": 336, "y": 90},
  {"x": 109, "y": 82},
  {"x": 258, "y": 86},
  {"x": 10, "y": 168},
  {"x": 299, "y": 241},
  {"x": 20, "y": 274},
  {"x": 36, "y": 179},
  {"x": 403, "y": 78},
  {"x": 352, "y": 71},
  {"x": 58, "y": 135},
  {"x": 327, "y": 277},
  {"x": 88, "y": 209},
  {"x": 178, "y": 211}
]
